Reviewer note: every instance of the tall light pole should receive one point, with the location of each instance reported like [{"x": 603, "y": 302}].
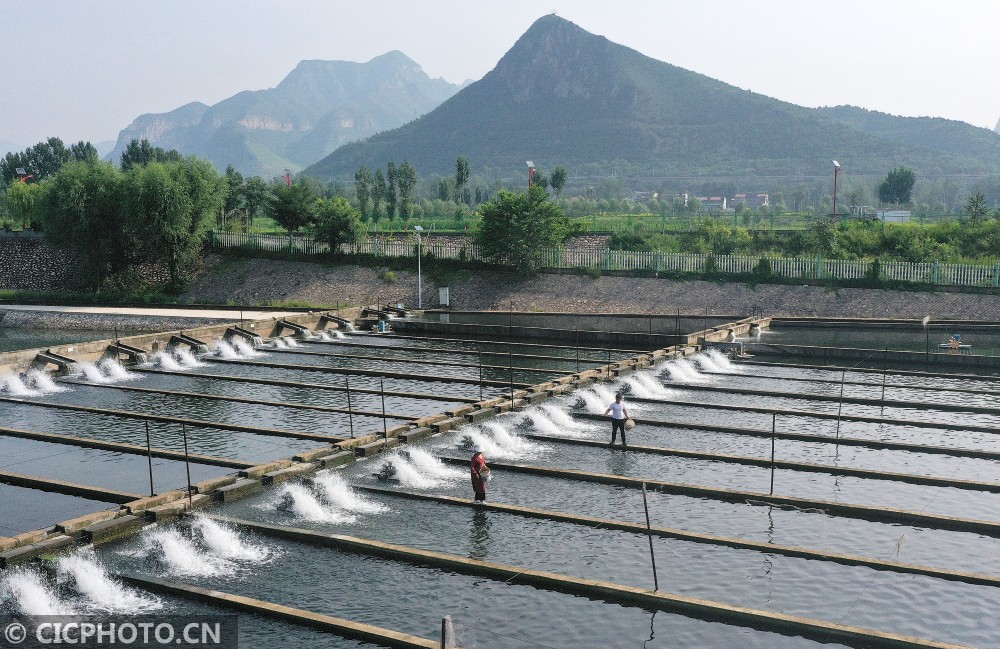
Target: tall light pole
[
  {"x": 836, "y": 170},
  {"x": 420, "y": 277}
]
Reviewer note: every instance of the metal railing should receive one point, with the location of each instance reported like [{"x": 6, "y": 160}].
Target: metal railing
[{"x": 562, "y": 257}]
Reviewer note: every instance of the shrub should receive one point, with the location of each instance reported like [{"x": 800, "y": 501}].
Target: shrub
[
  {"x": 593, "y": 272},
  {"x": 388, "y": 276}
]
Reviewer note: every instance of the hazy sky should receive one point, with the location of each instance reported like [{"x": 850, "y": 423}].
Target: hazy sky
[{"x": 84, "y": 69}]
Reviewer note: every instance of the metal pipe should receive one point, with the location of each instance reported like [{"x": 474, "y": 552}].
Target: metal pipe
[
  {"x": 649, "y": 536},
  {"x": 149, "y": 456}
]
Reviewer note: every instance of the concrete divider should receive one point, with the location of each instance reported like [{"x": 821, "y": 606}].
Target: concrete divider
[
  {"x": 312, "y": 386},
  {"x": 283, "y": 475},
  {"x": 374, "y": 448},
  {"x": 26, "y": 553},
  {"x": 120, "y": 447},
  {"x": 112, "y": 530},
  {"x": 814, "y": 414},
  {"x": 393, "y": 359},
  {"x": 238, "y": 490},
  {"x": 991, "y": 487},
  {"x": 693, "y": 537},
  {"x": 67, "y": 488},
  {"x": 194, "y": 423},
  {"x": 447, "y": 424},
  {"x": 260, "y": 469},
  {"x": 806, "y": 396},
  {"x": 338, "y": 626},
  {"x": 353, "y": 371},
  {"x": 335, "y": 460},
  {"x": 863, "y": 512},
  {"x": 805, "y": 437},
  {"x": 820, "y": 630},
  {"x": 416, "y": 434},
  {"x": 262, "y": 402}
]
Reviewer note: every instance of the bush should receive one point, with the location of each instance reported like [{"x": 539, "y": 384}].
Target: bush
[
  {"x": 388, "y": 276},
  {"x": 763, "y": 269},
  {"x": 711, "y": 266},
  {"x": 594, "y": 272}
]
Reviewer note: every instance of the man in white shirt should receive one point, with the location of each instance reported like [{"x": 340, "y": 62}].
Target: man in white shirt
[{"x": 619, "y": 415}]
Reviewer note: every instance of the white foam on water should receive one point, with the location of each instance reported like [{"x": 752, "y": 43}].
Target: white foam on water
[
  {"x": 642, "y": 385},
  {"x": 186, "y": 358},
  {"x": 409, "y": 475},
  {"x": 181, "y": 556},
  {"x": 543, "y": 423},
  {"x": 474, "y": 438},
  {"x": 722, "y": 361},
  {"x": 279, "y": 343},
  {"x": 244, "y": 349},
  {"x": 166, "y": 361},
  {"x": 706, "y": 362},
  {"x": 340, "y": 334},
  {"x": 13, "y": 385},
  {"x": 561, "y": 421},
  {"x": 101, "y": 591},
  {"x": 116, "y": 371},
  {"x": 224, "y": 541},
  {"x": 431, "y": 466},
  {"x": 225, "y": 350},
  {"x": 43, "y": 382},
  {"x": 592, "y": 402},
  {"x": 291, "y": 342},
  {"x": 339, "y": 493},
  {"x": 93, "y": 373},
  {"x": 27, "y": 589},
  {"x": 304, "y": 504},
  {"x": 682, "y": 370}
]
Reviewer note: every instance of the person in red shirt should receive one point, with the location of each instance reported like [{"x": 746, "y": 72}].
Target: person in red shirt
[{"x": 476, "y": 467}]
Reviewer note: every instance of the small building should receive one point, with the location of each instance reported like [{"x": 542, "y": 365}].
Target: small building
[
  {"x": 753, "y": 201},
  {"x": 713, "y": 203}
]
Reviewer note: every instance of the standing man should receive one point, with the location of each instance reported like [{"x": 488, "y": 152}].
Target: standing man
[
  {"x": 619, "y": 415},
  {"x": 478, "y": 467}
]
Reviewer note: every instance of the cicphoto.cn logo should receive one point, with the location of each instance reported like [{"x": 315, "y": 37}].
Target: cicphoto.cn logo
[{"x": 216, "y": 632}]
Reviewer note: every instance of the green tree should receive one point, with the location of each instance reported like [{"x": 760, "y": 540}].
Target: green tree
[
  {"x": 897, "y": 186},
  {"x": 444, "y": 189},
  {"x": 234, "y": 189},
  {"x": 40, "y": 161},
  {"x": 378, "y": 193},
  {"x": 406, "y": 180},
  {"x": 292, "y": 206},
  {"x": 558, "y": 179},
  {"x": 20, "y": 200},
  {"x": 461, "y": 177},
  {"x": 539, "y": 178},
  {"x": 363, "y": 187},
  {"x": 337, "y": 222},
  {"x": 256, "y": 194},
  {"x": 390, "y": 190},
  {"x": 976, "y": 208},
  {"x": 81, "y": 207},
  {"x": 516, "y": 227},
  {"x": 83, "y": 151},
  {"x": 141, "y": 153},
  {"x": 168, "y": 208}
]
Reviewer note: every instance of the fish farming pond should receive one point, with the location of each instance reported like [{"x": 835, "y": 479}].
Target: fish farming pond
[{"x": 842, "y": 497}]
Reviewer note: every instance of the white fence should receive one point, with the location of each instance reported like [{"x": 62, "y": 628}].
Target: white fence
[{"x": 944, "y": 274}]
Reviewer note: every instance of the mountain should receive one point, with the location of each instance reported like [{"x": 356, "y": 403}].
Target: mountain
[
  {"x": 938, "y": 134},
  {"x": 319, "y": 106},
  {"x": 562, "y": 95}
]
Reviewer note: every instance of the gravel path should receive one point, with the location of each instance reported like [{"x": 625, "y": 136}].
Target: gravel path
[{"x": 263, "y": 281}]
